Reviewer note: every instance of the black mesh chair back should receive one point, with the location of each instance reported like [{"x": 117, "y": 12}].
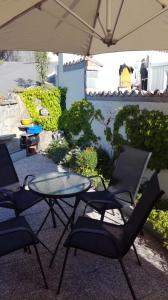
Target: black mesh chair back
[
  {"x": 12, "y": 195},
  {"x": 8, "y": 176},
  {"x": 150, "y": 195},
  {"x": 129, "y": 169}
]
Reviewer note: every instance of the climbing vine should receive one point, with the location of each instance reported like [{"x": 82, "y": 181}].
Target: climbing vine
[
  {"x": 143, "y": 129},
  {"x": 76, "y": 123}
]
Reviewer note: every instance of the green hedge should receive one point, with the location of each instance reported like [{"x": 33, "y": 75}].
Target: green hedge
[{"x": 50, "y": 99}]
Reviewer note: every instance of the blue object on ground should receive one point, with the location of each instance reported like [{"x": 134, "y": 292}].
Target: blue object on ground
[{"x": 34, "y": 129}]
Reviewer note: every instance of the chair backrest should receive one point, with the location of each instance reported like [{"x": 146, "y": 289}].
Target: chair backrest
[
  {"x": 8, "y": 175},
  {"x": 150, "y": 196},
  {"x": 129, "y": 169}
]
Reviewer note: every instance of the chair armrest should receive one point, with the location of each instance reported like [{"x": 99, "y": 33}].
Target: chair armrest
[
  {"x": 6, "y": 198},
  {"x": 99, "y": 176},
  {"x": 8, "y": 204},
  {"x": 111, "y": 197},
  {"x": 122, "y": 191},
  {"x": 17, "y": 229},
  {"x": 6, "y": 193},
  {"x": 104, "y": 202},
  {"x": 26, "y": 179}
]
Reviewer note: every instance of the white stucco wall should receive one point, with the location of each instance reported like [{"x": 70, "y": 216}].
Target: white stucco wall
[
  {"x": 71, "y": 77},
  {"x": 110, "y": 108},
  {"x": 74, "y": 81}
]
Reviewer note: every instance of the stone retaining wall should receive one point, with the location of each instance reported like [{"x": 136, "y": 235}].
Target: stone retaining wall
[{"x": 11, "y": 112}]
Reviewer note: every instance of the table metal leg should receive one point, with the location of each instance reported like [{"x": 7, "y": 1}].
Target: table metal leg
[
  {"x": 70, "y": 222},
  {"x": 50, "y": 203},
  {"x": 42, "y": 224},
  {"x": 52, "y": 212},
  {"x": 62, "y": 209},
  {"x": 57, "y": 215}
]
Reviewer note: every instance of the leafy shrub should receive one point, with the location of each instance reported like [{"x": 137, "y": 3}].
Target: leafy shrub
[
  {"x": 87, "y": 161},
  {"x": 76, "y": 123},
  {"x": 147, "y": 130},
  {"x": 70, "y": 159},
  {"x": 81, "y": 161},
  {"x": 57, "y": 150},
  {"x": 49, "y": 99},
  {"x": 159, "y": 221}
]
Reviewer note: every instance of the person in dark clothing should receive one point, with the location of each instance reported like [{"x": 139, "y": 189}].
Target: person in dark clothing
[{"x": 144, "y": 76}]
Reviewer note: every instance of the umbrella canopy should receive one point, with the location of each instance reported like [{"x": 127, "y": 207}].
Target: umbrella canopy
[{"x": 83, "y": 27}]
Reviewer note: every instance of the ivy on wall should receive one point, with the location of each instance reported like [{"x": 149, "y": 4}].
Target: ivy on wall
[
  {"x": 143, "y": 129},
  {"x": 77, "y": 123},
  {"x": 46, "y": 98}
]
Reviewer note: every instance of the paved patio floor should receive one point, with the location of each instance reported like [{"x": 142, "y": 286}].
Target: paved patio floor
[{"x": 87, "y": 276}]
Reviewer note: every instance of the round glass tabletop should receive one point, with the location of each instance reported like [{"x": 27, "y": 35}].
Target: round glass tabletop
[{"x": 59, "y": 184}]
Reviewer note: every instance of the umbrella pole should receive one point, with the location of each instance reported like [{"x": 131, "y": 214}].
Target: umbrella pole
[{"x": 108, "y": 15}]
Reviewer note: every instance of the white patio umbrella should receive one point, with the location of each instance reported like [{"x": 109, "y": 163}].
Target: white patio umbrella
[{"x": 83, "y": 26}]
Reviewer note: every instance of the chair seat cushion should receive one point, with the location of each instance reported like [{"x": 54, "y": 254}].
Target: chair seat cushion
[
  {"x": 95, "y": 242},
  {"x": 24, "y": 199},
  {"x": 99, "y": 196},
  {"x": 16, "y": 239}
]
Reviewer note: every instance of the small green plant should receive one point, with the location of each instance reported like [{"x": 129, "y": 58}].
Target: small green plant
[
  {"x": 46, "y": 98},
  {"x": 70, "y": 159},
  {"x": 159, "y": 221},
  {"x": 81, "y": 161},
  {"x": 76, "y": 123},
  {"x": 87, "y": 161},
  {"x": 57, "y": 150},
  {"x": 42, "y": 63}
]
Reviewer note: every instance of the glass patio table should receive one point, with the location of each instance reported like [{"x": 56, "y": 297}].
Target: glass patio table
[{"x": 57, "y": 185}]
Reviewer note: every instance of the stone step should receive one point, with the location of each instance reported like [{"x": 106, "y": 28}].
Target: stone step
[{"x": 18, "y": 155}]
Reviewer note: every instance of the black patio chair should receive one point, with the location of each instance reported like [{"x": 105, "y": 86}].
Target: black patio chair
[
  {"x": 16, "y": 197},
  {"x": 12, "y": 195},
  {"x": 124, "y": 183},
  {"x": 110, "y": 240},
  {"x": 16, "y": 234}
]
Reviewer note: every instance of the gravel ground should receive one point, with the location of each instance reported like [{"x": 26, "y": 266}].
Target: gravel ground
[{"x": 87, "y": 276}]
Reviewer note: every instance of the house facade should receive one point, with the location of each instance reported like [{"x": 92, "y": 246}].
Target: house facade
[{"x": 100, "y": 73}]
